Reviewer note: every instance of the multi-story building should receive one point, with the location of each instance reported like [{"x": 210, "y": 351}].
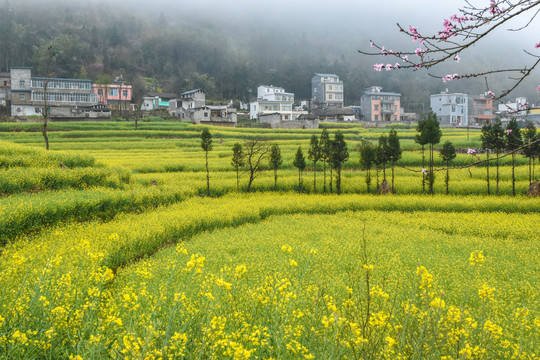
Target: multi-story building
[
  {"x": 191, "y": 106},
  {"x": 513, "y": 108},
  {"x": 326, "y": 91},
  {"x": 272, "y": 99},
  {"x": 4, "y": 89},
  {"x": 117, "y": 96},
  {"x": 481, "y": 109},
  {"x": 451, "y": 108},
  {"x": 66, "y": 98},
  {"x": 380, "y": 106}
]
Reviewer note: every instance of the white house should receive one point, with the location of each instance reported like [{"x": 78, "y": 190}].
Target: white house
[
  {"x": 451, "y": 109},
  {"x": 272, "y": 99}
]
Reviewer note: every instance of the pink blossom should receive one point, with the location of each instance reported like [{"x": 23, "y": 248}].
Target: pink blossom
[
  {"x": 389, "y": 67},
  {"x": 405, "y": 58},
  {"x": 537, "y": 45},
  {"x": 508, "y": 131},
  {"x": 523, "y": 105},
  {"x": 424, "y": 171},
  {"x": 471, "y": 151},
  {"x": 396, "y": 66},
  {"x": 413, "y": 29},
  {"x": 418, "y": 51},
  {"x": 371, "y": 43},
  {"x": 491, "y": 93},
  {"x": 457, "y": 58},
  {"x": 378, "y": 67},
  {"x": 538, "y": 88}
]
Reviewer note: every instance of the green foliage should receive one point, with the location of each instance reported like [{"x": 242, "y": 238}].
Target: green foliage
[
  {"x": 394, "y": 149},
  {"x": 315, "y": 151},
  {"x": 299, "y": 160},
  {"x": 275, "y": 159},
  {"x": 206, "y": 140},
  {"x": 448, "y": 151},
  {"x": 513, "y": 136}
]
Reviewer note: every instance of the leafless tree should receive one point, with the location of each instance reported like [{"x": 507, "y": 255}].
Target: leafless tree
[
  {"x": 460, "y": 31},
  {"x": 255, "y": 150},
  {"x": 46, "y": 111}
]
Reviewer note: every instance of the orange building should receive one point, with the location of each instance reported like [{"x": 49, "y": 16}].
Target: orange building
[{"x": 481, "y": 111}]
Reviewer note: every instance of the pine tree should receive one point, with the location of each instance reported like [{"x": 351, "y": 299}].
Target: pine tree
[
  {"x": 488, "y": 145},
  {"x": 206, "y": 144},
  {"x": 300, "y": 163},
  {"x": 513, "y": 142},
  {"x": 339, "y": 155},
  {"x": 531, "y": 139},
  {"x": 448, "y": 153},
  {"x": 314, "y": 154},
  {"x": 367, "y": 158},
  {"x": 394, "y": 151},
  {"x": 498, "y": 143},
  {"x": 275, "y": 161},
  {"x": 237, "y": 161},
  {"x": 325, "y": 146}
]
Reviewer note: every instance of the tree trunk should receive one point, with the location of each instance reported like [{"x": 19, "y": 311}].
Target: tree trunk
[
  {"x": 497, "y": 165},
  {"x": 392, "y": 178},
  {"x": 299, "y": 181},
  {"x": 331, "y": 178},
  {"x": 44, "y": 132},
  {"x": 275, "y": 179},
  {"x": 447, "y": 176},
  {"x": 513, "y": 174},
  {"x": 237, "y": 180},
  {"x": 324, "y": 176},
  {"x": 368, "y": 180},
  {"x": 314, "y": 178},
  {"x": 207, "y": 177},
  {"x": 423, "y": 174},
  {"x": 338, "y": 181},
  {"x": 487, "y": 169}
]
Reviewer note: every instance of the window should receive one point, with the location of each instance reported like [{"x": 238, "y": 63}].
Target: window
[
  {"x": 395, "y": 117},
  {"x": 376, "y": 117},
  {"x": 22, "y": 83},
  {"x": 205, "y": 114},
  {"x": 125, "y": 93},
  {"x": 22, "y": 97},
  {"x": 113, "y": 92},
  {"x": 100, "y": 92},
  {"x": 453, "y": 108},
  {"x": 37, "y": 110},
  {"x": 330, "y": 96},
  {"x": 376, "y": 107},
  {"x": 329, "y": 87}
]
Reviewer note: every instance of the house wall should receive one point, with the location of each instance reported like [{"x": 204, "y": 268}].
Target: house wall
[{"x": 451, "y": 109}]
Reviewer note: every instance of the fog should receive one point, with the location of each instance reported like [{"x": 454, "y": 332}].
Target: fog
[{"x": 330, "y": 33}]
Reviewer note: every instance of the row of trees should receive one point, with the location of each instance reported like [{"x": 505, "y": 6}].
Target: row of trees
[{"x": 333, "y": 153}]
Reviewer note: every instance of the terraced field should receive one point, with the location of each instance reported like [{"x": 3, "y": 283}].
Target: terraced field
[{"x": 115, "y": 254}]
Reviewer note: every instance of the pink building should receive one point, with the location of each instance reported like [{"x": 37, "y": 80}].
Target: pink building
[
  {"x": 380, "y": 106},
  {"x": 117, "y": 96}
]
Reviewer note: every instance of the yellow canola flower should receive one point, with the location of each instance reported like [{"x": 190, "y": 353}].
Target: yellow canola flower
[
  {"x": 286, "y": 248},
  {"x": 368, "y": 267},
  {"x": 486, "y": 293},
  {"x": 293, "y": 263},
  {"x": 476, "y": 258}
]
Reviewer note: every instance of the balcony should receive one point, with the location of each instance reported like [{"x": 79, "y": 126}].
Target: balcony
[
  {"x": 387, "y": 111},
  {"x": 389, "y": 101}
]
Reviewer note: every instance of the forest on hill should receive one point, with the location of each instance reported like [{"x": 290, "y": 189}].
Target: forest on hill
[{"x": 171, "y": 48}]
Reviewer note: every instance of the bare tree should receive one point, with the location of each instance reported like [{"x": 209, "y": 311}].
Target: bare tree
[
  {"x": 255, "y": 151},
  {"x": 462, "y": 30},
  {"x": 51, "y": 55}
]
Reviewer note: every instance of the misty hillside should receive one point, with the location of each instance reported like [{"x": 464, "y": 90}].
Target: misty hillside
[{"x": 226, "y": 52}]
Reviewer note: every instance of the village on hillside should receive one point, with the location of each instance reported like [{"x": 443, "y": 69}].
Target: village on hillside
[{"x": 25, "y": 97}]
